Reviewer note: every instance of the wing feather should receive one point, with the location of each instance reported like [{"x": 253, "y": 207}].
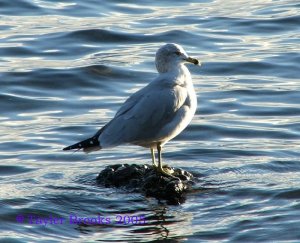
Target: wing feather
[{"x": 143, "y": 115}]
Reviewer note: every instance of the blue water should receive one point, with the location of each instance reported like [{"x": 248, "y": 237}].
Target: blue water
[{"x": 67, "y": 66}]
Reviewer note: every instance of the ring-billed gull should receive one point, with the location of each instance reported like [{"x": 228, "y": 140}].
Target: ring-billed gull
[{"x": 156, "y": 113}]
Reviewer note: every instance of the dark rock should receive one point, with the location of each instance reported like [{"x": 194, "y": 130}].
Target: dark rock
[{"x": 145, "y": 179}]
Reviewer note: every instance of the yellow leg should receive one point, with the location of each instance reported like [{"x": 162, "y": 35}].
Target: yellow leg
[
  {"x": 153, "y": 157},
  {"x": 159, "y": 167}
]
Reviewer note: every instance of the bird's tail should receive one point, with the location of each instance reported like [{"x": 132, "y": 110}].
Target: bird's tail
[{"x": 88, "y": 145}]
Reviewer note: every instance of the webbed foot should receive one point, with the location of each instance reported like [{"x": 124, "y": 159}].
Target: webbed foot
[{"x": 165, "y": 172}]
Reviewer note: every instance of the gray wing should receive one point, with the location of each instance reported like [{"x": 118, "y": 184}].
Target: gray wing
[
  {"x": 143, "y": 115},
  {"x": 132, "y": 101}
]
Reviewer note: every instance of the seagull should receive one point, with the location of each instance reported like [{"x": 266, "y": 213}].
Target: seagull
[{"x": 154, "y": 114}]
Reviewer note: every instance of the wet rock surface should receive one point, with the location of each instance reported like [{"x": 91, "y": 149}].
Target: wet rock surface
[{"x": 146, "y": 180}]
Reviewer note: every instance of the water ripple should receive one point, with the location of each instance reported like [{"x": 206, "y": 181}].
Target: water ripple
[{"x": 66, "y": 67}]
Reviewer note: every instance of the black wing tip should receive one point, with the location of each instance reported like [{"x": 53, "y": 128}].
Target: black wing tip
[
  {"x": 90, "y": 142},
  {"x": 71, "y": 147},
  {"x": 67, "y": 148}
]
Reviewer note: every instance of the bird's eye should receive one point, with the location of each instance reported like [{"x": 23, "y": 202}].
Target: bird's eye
[{"x": 178, "y": 53}]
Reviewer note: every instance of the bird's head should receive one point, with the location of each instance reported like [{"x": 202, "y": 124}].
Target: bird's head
[{"x": 170, "y": 56}]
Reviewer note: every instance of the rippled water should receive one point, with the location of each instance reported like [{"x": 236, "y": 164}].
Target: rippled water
[{"x": 66, "y": 66}]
